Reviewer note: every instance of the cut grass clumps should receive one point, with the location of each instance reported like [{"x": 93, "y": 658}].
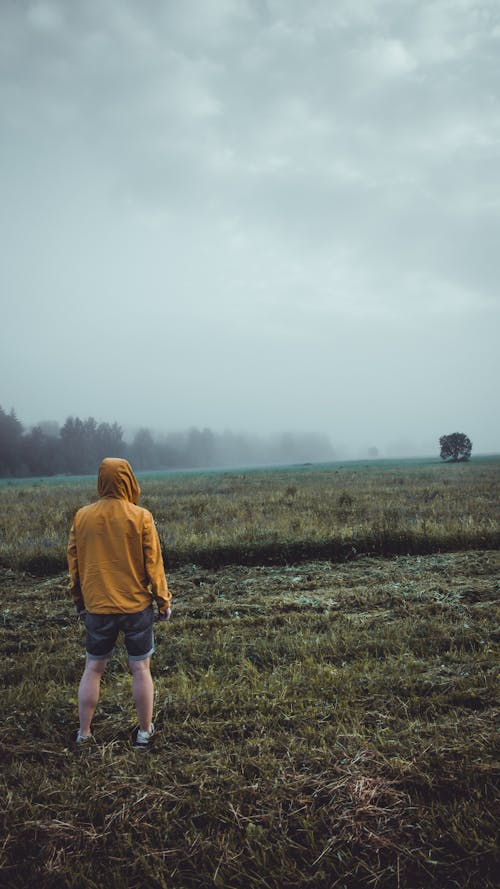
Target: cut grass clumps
[{"x": 317, "y": 726}]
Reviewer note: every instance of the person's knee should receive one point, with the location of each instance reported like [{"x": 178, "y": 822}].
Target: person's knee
[
  {"x": 140, "y": 667},
  {"x": 96, "y": 667}
]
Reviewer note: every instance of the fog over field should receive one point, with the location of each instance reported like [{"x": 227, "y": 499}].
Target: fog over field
[{"x": 263, "y": 216}]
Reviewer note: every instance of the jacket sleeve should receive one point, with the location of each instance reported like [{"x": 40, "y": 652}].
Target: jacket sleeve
[
  {"x": 153, "y": 562},
  {"x": 74, "y": 587}
]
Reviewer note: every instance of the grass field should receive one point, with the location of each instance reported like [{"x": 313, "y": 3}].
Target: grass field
[
  {"x": 326, "y": 722},
  {"x": 274, "y": 516}
]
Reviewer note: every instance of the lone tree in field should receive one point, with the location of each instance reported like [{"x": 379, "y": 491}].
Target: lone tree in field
[{"x": 456, "y": 447}]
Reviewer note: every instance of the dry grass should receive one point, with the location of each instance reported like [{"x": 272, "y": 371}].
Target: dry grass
[{"x": 275, "y": 516}]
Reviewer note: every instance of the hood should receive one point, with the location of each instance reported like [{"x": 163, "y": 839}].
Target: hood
[{"x": 116, "y": 479}]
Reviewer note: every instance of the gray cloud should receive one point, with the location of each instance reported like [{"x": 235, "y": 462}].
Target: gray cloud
[{"x": 254, "y": 215}]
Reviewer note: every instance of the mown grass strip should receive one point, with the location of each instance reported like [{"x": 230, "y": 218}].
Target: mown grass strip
[{"x": 317, "y": 727}]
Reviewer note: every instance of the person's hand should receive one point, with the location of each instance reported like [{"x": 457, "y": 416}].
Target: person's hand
[
  {"x": 165, "y": 615},
  {"x": 81, "y": 612}
]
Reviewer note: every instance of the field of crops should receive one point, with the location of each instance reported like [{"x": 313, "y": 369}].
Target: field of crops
[{"x": 326, "y": 700}]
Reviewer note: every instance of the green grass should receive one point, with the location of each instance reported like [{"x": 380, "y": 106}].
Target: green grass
[
  {"x": 275, "y": 516},
  {"x": 318, "y": 726}
]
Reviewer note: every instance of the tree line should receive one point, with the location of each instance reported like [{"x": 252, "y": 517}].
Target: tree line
[{"x": 78, "y": 446}]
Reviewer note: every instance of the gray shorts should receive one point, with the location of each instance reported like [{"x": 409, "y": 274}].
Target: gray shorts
[{"x": 103, "y": 629}]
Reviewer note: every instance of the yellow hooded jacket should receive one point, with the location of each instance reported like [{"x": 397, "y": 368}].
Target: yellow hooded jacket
[{"x": 114, "y": 553}]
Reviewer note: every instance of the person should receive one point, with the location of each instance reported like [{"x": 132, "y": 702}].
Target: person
[{"x": 116, "y": 572}]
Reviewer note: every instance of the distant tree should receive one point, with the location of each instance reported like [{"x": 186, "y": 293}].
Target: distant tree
[
  {"x": 41, "y": 452},
  {"x": 168, "y": 454},
  {"x": 84, "y": 443},
  {"x": 200, "y": 447},
  {"x": 50, "y": 428},
  {"x": 301, "y": 447},
  {"x": 74, "y": 445},
  {"x": 11, "y": 431},
  {"x": 143, "y": 451},
  {"x": 456, "y": 447},
  {"x": 108, "y": 441}
]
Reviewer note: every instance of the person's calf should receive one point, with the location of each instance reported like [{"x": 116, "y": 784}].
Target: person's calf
[
  {"x": 88, "y": 693},
  {"x": 143, "y": 693}
]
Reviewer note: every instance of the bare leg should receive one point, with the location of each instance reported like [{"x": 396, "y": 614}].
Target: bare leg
[
  {"x": 142, "y": 691},
  {"x": 88, "y": 693}
]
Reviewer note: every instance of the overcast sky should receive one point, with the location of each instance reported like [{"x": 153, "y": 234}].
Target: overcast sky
[{"x": 256, "y": 215}]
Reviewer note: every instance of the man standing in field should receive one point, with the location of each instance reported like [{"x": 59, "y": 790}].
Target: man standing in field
[{"x": 116, "y": 571}]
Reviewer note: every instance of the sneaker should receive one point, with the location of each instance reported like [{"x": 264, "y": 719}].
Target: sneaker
[
  {"x": 142, "y": 740},
  {"x": 82, "y": 740}
]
